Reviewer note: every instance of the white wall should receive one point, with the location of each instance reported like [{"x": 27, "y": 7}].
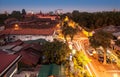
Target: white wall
[{"x": 32, "y": 37}]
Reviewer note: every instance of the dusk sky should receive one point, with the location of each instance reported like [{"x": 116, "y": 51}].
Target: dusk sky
[{"x": 66, "y": 5}]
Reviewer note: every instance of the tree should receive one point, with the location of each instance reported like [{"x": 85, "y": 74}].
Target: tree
[
  {"x": 68, "y": 30},
  {"x": 96, "y": 19},
  {"x": 3, "y": 17},
  {"x": 101, "y": 38},
  {"x": 23, "y": 12},
  {"x": 51, "y": 13},
  {"x": 16, "y": 14},
  {"x": 56, "y": 52},
  {"x": 117, "y": 42},
  {"x": 75, "y": 15},
  {"x": 72, "y": 32},
  {"x": 80, "y": 60},
  {"x": 65, "y": 32}
]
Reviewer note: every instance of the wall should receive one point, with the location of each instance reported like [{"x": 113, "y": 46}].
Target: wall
[{"x": 31, "y": 37}]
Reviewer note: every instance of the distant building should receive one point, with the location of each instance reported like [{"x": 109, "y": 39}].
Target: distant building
[
  {"x": 46, "y": 16},
  {"x": 59, "y": 11},
  {"x": 8, "y": 64}
]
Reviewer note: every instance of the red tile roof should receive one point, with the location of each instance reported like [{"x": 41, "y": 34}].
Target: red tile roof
[
  {"x": 5, "y": 61},
  {"x": 49, "y": 31},
  {"x": 30, "y": 52},
  {"x": 29, "y": 58}
]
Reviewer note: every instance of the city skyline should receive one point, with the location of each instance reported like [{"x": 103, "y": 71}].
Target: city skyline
[{"x": 52, "y": 5}]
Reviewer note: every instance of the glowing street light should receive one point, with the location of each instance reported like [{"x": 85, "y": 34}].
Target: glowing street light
[{"x": 16, "y": 27}]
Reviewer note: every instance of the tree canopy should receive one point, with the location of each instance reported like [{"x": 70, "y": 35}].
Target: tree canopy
[
  {"x": 95, "y": 20},
  {"x": 3, "y": 17},
  {"x": 55, "y": 52},
  {"x": 101, "y": 38},
  {"x": 69, "y": 28},
  {"x": 16, "y": 14},
  {"x": 23, "y": 12}
]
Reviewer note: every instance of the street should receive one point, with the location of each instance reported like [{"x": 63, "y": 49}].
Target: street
[{"x": 95, "y": 68}]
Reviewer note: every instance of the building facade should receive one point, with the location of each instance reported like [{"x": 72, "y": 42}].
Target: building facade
[{"x": 29, "y": 34}]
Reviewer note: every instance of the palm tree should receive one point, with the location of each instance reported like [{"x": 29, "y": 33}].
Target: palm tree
[{"x": 101, "y": 38}]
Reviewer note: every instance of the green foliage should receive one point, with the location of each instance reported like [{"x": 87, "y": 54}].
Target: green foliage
[
  {"x": 80, "y": 60},
  {"x": 16, "y": 14},
  {"x": 69, "y": 31},
  {"x": 117, "y": 42},
  {"x": 55, "y": 52},
  {"x": 3, "y": 17},
  {"x": 101, "y": 38},
  {"x": 23, "y": 12},
  {"x": 96, "y": 19}
]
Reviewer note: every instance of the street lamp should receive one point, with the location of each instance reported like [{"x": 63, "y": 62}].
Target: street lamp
[{"x": 16, "y": 27}]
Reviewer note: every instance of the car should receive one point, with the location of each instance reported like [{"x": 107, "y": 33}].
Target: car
[{"x": 101, "y": 59}]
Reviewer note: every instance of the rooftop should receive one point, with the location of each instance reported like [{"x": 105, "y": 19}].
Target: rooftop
[
  {"x": 30, "y": 52},
  {"x": 51, "y": 69},
  {"x": 49, "y": 31},
  {"x": 6, "y": 61}
]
